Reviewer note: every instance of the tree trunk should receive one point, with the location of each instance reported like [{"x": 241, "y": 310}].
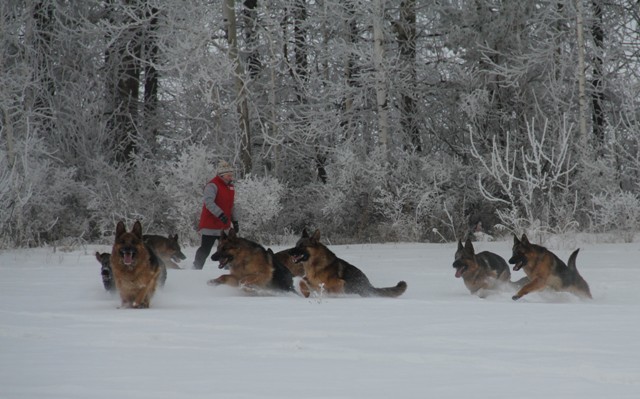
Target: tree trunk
[
  {"x": 251, "y": 38},
  {"x": 381, "y": 77},
  {"x": 582, "y": 97},
  {"x": 406, "y": 36},
  {"x": 151, "y": 76},
  {"x": 597, "y": 94},
  {"x": 349, "y": 70},
  {"x": 123, "y": 82},
  {"x": 241, "y": 93},
  {"x": 44, "y": 84}
]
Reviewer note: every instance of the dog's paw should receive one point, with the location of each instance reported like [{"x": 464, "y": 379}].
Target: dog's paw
[
  {"x": 516, "y": 297},
  {"x": 213, "y": 282}
]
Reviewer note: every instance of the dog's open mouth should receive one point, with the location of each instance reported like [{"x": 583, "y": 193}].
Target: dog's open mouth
[
  {"x": 518, "y": 262},
  {"x": 299, "y": 258},
  {"x": 128, "y": 257},
  {"x": 460, "y": 267},
  {"x": 460, "y": 270},
  {"x": 224, "y": 262}
]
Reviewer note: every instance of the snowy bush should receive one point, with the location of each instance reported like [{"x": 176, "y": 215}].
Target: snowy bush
[
  {"x": 369, "y": 199},
  {"x": 129, "y": 196},
  {"x": 532, "y": 183},
  {"x": 616, "y": 212},
  {"x": 183, "y": 182},
  {"x": 258, "y": 202},
  {"x": 40, "y": 201}
]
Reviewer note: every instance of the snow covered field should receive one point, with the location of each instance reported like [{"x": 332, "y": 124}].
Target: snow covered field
[{"x": 62, "y": 336}]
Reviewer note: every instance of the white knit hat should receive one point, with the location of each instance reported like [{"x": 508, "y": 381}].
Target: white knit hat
[{"x": 224, "y": 167}]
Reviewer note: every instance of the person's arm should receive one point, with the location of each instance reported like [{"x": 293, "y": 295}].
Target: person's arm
[
  {"x": 234, "y": 220},
  {"x": 210, "y": 193}
]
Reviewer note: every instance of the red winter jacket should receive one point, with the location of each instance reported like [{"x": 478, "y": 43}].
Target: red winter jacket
[{"x": 223, "y": 202}]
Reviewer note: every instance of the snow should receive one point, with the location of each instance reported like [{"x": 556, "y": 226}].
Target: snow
[{"x": 62, "y": 335}]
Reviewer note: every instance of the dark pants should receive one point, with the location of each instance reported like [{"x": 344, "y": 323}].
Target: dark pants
[{"x": 203, "y": 252}]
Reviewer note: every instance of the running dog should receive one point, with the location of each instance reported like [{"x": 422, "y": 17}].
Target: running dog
[
  {"x": 324, "y": 271},
  {"x": 135, "y": 267},
  {"x": 167, "y": 249},
  {"x": 545, "y": 269},
  {"x": 250, "y": 265},
  {"x": 482, "y": 271},
  {"x": 105, "y": 271}
]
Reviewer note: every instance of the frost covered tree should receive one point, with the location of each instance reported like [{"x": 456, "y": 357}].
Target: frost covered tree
[{"x": 355, "y": 115}]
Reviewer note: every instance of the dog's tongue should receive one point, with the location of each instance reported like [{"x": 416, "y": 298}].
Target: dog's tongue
[
  {"x": 459, "y": 272},
  {"x": 517, "y": 266},
  {"x": 128, "y": 258}
]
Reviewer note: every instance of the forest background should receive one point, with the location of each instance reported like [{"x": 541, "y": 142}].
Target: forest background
[{"x": 372, "y": 120}]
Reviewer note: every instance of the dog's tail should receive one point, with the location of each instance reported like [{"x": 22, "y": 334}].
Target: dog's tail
[
  {"x": 572, "y": 260},
  {"x": 581, "y": 288},
  {"x": 391, "y": 292}
]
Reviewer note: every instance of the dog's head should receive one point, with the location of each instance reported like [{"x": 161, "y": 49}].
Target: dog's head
[
  {"x": 105, "y": 261},
  {"x": 128, "y": 245},
  {"x": 305, "y": 247},
  {"x": 521, "y": 249},
  {"x": 234, "y": 251},
  {"x": 173, "y": 245},
  {"x": 465, "y": 258}
]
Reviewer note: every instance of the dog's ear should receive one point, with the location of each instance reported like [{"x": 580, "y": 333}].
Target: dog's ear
[
  {"x": 525, "y": 240},
  {"x": 468, "y": 246},
  {"x": 305, "y": 234},
  {"x": 98, "y": 256},
  {"x": 316, "y": 236},
  {"x": 515, "y": 240},
  {"x": 174, "y": 238},
  {"x": 223, "y": 235},
  {"x": 232, "y": 233},
  {"x": 460, "y": 247},
  {"x": 137, "y": 229},
  {"x": 120, "y": 229},
  {"x": 269, "y": 256}
]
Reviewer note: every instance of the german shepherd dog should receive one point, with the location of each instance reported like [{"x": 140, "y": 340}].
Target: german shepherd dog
[
  {"x": 482, "y": 271},
  {"x": 250, "y": 265},
  {"x": 545, "y": 269},
  {"x": 324, "y": 271},
  {"x": 105, "y": 270},
  {"x": 167, "y": 249},
  {"x": 135, "y": 267}
]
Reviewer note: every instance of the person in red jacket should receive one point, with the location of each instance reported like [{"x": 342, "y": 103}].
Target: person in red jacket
[{"x": 217, "y": 211}]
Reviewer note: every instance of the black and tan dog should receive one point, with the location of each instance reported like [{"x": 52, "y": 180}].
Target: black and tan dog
[
  {"x": 545, "y": 269},
  {"x": 324, "y": 271},
  {"x": 250, "y": 266},
  {"x": 135, "y": 267},
  {"x": 105, "y": 271},
  {"x": 481, "y": 272},
  {"x": 167, "y": 249}
]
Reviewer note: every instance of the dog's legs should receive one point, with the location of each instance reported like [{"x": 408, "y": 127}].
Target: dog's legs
[
  {"x": 337, "y": 287},
  {"x": 170, "y": 264},
  {"x": 225, "y": 279},
  {"x": 254, "y": 280},
  {"x": 304, "y": 288},
  {"x": 143, "y": 298},
  {"x": 534, "y": 285}
]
